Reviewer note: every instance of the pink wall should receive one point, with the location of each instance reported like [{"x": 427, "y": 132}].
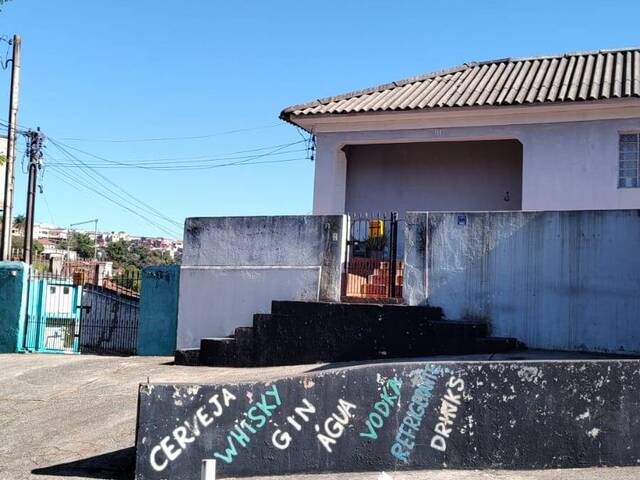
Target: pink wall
[{"x": 434, "y": 176}]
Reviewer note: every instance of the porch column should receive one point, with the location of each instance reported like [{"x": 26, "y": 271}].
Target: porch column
[{"x": 330, "y": 181}]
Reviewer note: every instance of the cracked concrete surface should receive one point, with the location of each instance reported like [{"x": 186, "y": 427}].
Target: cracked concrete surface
[
  {"x": 64, "y": 416},
  {"x": 73, "y": 417}
]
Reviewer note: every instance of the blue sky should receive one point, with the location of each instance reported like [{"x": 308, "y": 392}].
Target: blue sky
[{"x": 123, "y": 70}]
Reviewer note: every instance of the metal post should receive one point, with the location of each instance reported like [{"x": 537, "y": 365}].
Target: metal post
[
  {"x": 208, "y": 469},
  {"x": 393, "y": 254},
  {"x": 7, "y": 213},
  {"x": 68, "y": 245}
]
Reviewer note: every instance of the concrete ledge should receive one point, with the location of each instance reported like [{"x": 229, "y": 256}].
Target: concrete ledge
[{"x": 397, "y": 416}]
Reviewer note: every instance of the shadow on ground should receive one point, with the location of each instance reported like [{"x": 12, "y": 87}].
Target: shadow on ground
[{"x": 116, "y": 465}]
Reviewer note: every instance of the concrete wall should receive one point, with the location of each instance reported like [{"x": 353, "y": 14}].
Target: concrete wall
[
  {"x": 158, "y": 310},
  {"x": 396, "y": 416},
  {"x": 566, "y": 166},
  {"x": 434, "y": 176},
  {"x": 233, "y": 267},
  {"x": 14, "y": 277},
  {"x": 554, "y": 280}
]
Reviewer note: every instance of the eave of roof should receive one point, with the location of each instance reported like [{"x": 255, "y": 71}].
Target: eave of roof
[{"x": 570, "y": 77}]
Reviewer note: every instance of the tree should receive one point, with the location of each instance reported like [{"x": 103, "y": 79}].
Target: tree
[
  {"x": 84, "y": 245},
  {"x": 81, "y": 243},
  {"x": 118, "y": 252},
  {"x": 19, "y": 222},
  {"x": 133, "y": 255}
]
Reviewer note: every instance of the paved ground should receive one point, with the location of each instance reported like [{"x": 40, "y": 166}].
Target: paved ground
[{"x": 73, "y": 417}]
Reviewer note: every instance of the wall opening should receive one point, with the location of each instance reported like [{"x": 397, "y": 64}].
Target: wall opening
[{"x": 434, "y": 176}]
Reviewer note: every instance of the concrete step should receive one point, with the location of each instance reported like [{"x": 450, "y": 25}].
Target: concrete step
[
  {"x": 321, "y": 332},
  {"x": 345, "y": 310},
  {"x": 218, "y": 352},
  {"x": 380, "y": 279},
  {"x": 310, "y": 332},
  {"x": 187, "y": 356},
  {"x": 498, "y": 345},
  {"x": 245, "y": 351},
  {"x": 374, "y": 290}
]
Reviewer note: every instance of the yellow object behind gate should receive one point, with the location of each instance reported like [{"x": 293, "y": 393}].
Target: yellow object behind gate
[{"x": 376, "y": 228}]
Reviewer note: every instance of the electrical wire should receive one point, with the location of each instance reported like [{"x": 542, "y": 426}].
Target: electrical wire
[
  {"x": 4, "y": 59},
  {"x": 166, "y": 139},
  {"x": 75, "y": 181},
  {"x": 204, "y": 157},
  {"x": 92, "y": 174},
  {"x": 185, "y": 164}
]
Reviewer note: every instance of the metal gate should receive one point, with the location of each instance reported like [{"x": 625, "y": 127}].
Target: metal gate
[
  {"x": 372, "y": 270},
  {"x": 110, "y": 315},
  {"x": 66, "y": 314},
  {"x": 53, "y": 314}
]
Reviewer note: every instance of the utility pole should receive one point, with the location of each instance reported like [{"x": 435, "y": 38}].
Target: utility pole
[
  {"x": 35, "y": 141},
  {"x": 7, "y": 212}
]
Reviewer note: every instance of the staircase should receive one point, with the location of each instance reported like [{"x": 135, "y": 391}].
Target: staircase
[
  {"x": 369, "y": 278},
  {"x": 310, "y": 332}
]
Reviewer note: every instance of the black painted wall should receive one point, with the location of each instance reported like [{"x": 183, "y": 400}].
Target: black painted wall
[{"x": 392, "y": 416}]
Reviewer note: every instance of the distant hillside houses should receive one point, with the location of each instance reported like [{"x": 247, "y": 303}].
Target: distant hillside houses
[{"x": 51, "y": 235}]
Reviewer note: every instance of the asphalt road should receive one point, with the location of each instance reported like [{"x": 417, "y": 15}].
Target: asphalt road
[{"x": 73, "y": 417}]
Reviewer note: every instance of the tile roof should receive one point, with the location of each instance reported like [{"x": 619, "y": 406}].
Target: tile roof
[{"x": 572, "y": 77}]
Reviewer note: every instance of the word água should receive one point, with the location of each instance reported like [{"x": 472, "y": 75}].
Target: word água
[{"x": 334, "y": 425}]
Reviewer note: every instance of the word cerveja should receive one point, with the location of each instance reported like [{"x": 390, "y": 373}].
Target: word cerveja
[
  {"x": 404, "y": 444},
  {"x": 280, "y": 439},
  {"x": 188, "y": 432},
  {"x": 335, "y": 424},
  {"x": 382, "y": 408},
  {"x": 257, "y": 415},
  {"x": 448, "y": 409}
]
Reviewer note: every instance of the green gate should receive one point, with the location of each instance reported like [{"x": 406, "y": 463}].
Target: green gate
[{"x": 53, "y": 314}]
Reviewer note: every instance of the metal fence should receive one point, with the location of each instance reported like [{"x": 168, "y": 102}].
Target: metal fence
[
  {"x": 73, "y": 311},
  {"x": 110, "y": 315},
  {"x": 372, "y": 270}
]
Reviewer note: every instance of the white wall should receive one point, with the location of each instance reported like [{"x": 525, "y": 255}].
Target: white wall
[
  {"x": 234, "y": 267},
  {"x": 554, "y": 280},
  {"x": 566, "y": 165}
]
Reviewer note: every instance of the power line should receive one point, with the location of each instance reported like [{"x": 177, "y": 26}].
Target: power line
[
  {"x": 91, "y": 173},
  {"x": 186, "y": 164},
  {"x": 74, "y": 181},
  {"x": 166, "y": 139},
  {"x": 210, "y": 167},
  {"x": 209, "y": 156}
]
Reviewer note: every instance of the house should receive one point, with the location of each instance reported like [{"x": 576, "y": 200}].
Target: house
[{"x": 539, "y": 133}]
